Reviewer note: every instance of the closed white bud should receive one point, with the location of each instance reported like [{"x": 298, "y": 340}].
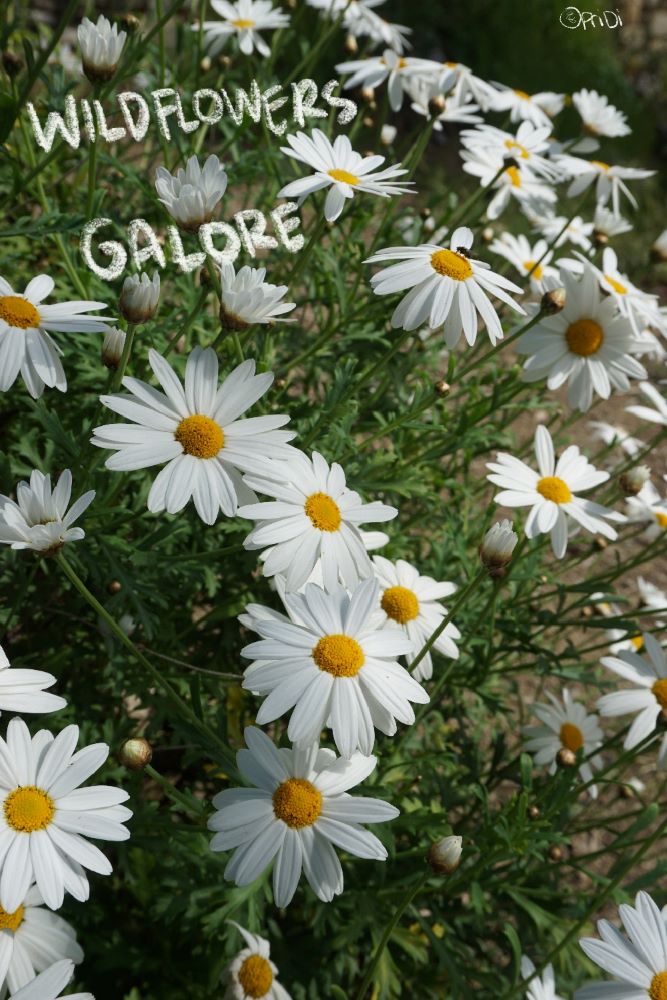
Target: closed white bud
[
  {"x": 112, "y": 348},
  {"x": 497, "y": 548},
  {"x": 101, "y": 45},
  {"x": 139, "y": 297},
  {"x": 659, "y": 248},
  {"x": 444, "y": 856},
  {"x": 632, "y": 481},
  {"x": 387, "y": 134}
]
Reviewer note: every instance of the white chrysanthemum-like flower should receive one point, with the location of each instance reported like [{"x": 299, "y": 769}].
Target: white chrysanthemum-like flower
[
  {"x": 242, "y": 20},
  {"x": 45, "y": 818},
  {"x": 640, "y": 308},
  {"x": 648, "y": 698},
  {"x": 247, "y": 299},
  {"x": 551, "y": 492},
  {"x": 447, "y": 288},
  {"x": 31, "y": 938},
  {"x": 452, "y": 109},
  {"x": 564, "y": 726},
  {"x": 39, "y": 518},
  {"x": 557, "y": 230},
  {"x": 614, "y": 434},
  {"x": 196, "y": 430},
  {"x": 312, "y": 523},
  {"x": 101, "y": 47},
  {"x": 608, "y": 179},
  {"x": 535, "y": 108},
  {"x": 654, "y": 416},
  {"x": 540, "y": 987},
  {"x": 191, "y": 195},
  {"x": 588, "y": 344},
  {"x": 333, "y": 664},
  {"x": 524, "y": 257},
  {"x": 606, "y": 224},
  {"x": 47, "y": 985},
  {"x": 297, "y": 812},
  {"x": 25, "y": 327},
  {"x": 598, "y": 115},
  {"x": 465, "y": 85},
  {"x": 139, "y": 297},
  {"x": 251, "y": 973},
  {"x": 637, "y": 962},
  {"x": 340, "y": 169},
  {"x": 23, "y": 690},
  {"x": 517, "y": 181},
  {"x": 400, "y": 72},
  {"x": 412, "y": 601},
  {"x": 526, "y": 147},
  {"x": 648, "y": 508}
]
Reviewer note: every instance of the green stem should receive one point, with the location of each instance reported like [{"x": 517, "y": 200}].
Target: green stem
[{"x": 124, "y": 358}]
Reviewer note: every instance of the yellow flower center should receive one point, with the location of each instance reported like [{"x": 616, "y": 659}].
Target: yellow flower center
[
  {"x": 659, "y": 689},
  {"x": 522, "y": 94},
  {"x": 451, "y": 265},
  {"x": 571, "y": 736},
  {"x": 637, "y": 641},
  {"x": 255, "y": 976},
  {"x": 601, "y": 165},
  {"x": 11, "y": 921},
  {"x": 339, "y": 655},
  {"x": 200, "y": 436},
  {"x": 661, "y": 519},
  {"x": 658, "y": 988},
  {"x": 323, "y": 512},
  {"x": 244, "y": 22},
  {"x": 555, "y": 489},
  {"x": 534, "y": 271},
  {"x": 297, "y": 803},
  {"x": 584, "y": 337},
  {"x": 28, "y": 809},
  {"x": 616, "y": 285},
  {"x": 514, "y": 176},
  {"x": 344, "y": 176},
  {"x": 400, "y": 604},
  {"x": 451, "y": 65},
  {"x": 523, "y": 152},
  {"x": 17, "y": 311}
]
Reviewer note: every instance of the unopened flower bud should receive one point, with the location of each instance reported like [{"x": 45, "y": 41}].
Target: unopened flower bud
[
  {"x": 632, "y": 481},
  {"x": 114, "y": 587},
  {"x": 367, "y": 94},
  {"x": 101, "y": 45},
  {"x": 368, "y": 122},
  {"x": 566, "y": 758},
  {"x": 112, "y": 347},
  {"x": 12, "y": 63},
  {"x": 444, "y": 856},
  {"x": 351, "y": 45},
  {"x": 556, "y": 853},
  {"x": 441, "y": 388},
  {"x": 533, "y": 812},
  {"x": 497, "y": 548},
  {"x": 387, "y": 135},
  {"x": 488, "y": 234},
  {"x": 659, "y": 248},
  {"x": 205, "y": 64},
  {"x": 130, "y": 22},
  {"x": 139, "y": 297},
  {"x": 136, "y": 753},
  {"x": 600, "y": 237},
  {"x": 225, "y": 61},
  {"x": 436, "y": 105},
  {"x": 280, "y": 383},
  {"x": 553, "y": 301}
]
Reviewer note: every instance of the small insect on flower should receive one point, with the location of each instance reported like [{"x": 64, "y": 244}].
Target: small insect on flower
[
  {"x": 48, "y": 984},
  {"x": 251, "y": 973},
  {"x": 32, "y": 938},
  {"x": 39, "y": 518}
]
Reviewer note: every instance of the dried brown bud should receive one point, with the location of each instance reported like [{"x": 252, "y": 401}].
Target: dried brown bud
[
  {"x": 553, "y": 301},
  {"x": 280, "y": 383},
  {"x": 130, "y": 22},
  {"x": 368, "y": 122},
  {"x": 566, "y": 758},
  {"x": 600, "y": 238},
  {"x": 533, "y": 812},
  {"x": 367, "y": 94},
  {"x": 442, "y": 388},
  {"x": 425, "y": 213},
  {"x": 556, "y": 853},
  {"x": 600, "y": 542},
  {"x": 114, "y": 586},
  {"x": 436, "y": 105},
  {"x": 351, "y": 45},
  {"x": 135, "y": 753},
  {"x": 632, "y": 481}
]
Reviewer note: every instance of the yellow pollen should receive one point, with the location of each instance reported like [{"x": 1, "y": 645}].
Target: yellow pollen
[
  {"x": 555, "y": 489},
  {"x": 658, "y": 988},
  {"x": 339, "y": 655},
  {"x": 28, "y": 809},
  {"x": 584, "y": 337},
  {"x": 661, "y": 519},
  {"x": 659, "y": 689},
  {"x": 601, "y": 165},
  {"x": 637, "y": 642},
  {"x": 400, "y": 604},
  {"x": 323, "y": 512},
  {"x": 11, "y": 921},
  {"x": 200, "y": 436},
  {"x": 244, "y": 22},
  {"x": 451, "y": 265},
  {"x": 514, "y": 176},
  {"x": 402, "y": 63},
  {"x": 450, "y": 65},
  {"x": 17, "y": 311},
  {"x": 522, "y": 94},
  {"x": 571, "y": 736},
  {"x": 255, "y": 976},
  {"x": 616, "y": 285},
  {"x": 523, "y": 152},
  {"x": 297, "y": 803},
  {"x": 534, "y": 271},
  {"x": 344, "y": 176}
]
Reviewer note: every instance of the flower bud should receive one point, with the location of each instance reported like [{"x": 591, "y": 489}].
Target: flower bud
[
  {"x": 351, "y": 45},
  {"x": 488, "y": 234},
  {"x": 497, "y": 548},
  {"x": 114, "y": 587},
  {"x": 205, "y": 64},
  {"x": 130, "y": 22},
  {"x": 632, "y": 481},
  {"x": 441, "y": 388},
  {"x": 368, "y": 122},
  {"x": 553, "y": 301},
  {"x": 112, "y": 348},
  {"x": 436, "y": 105},
  {"x": 139, "y": 297},
  {"x": 367, "y": 94},
  {"x": 101, "y": 46},
  {"x": 556, "y": 853},
  {"x": 387, "y": 135},
  {"x": 135, "y": 753},
  {"x": 566, "y": 758},
  {"x": 659, "y": 248},
  {"x": 444, "y": 856},
  {"x": 533, "y": 812}
]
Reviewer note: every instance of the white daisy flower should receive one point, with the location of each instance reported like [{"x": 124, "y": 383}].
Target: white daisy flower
[
  {"x": 526, "y": 147},
  {"x": 613, "y": 434},
  {"x": 654, "y": 416},
  {"x": 47, "y": 985},
  {"x": 399, "y": 71},
  {"x": 648, "y": 698},
  {"x": 588, "y": 344},
  {"x": 46, "y": 818},
  {"x": 139, "y": 297},
  {"x": 31, "y": 939},
  {"x": 653, "y": 598},
  {"x": 39, "y": 518},
  {"x": 247, "y": 299},
  {"x": 251, "y": 973},
  {"x": 564, "y": 726},
  {"x": 101, "y": 47},
  {"x": 551, "y": 492},
  {"x": 339, "y": 168},
  {"x": 524, "y": 257},
  {"x": 598, "y": 115},
  {"x": 413, "y": 602},
  {"x": 637, "y": 306},
  {"x": 608, "y": 180},
  {"x": 312, "y": 521},
  {"x": 297, "y": 811},
  {"x": 196, "y": 431},
  {"x": 517, "y": 182},
  {"x": 243, "y": 20},
  {"x": 191, "y": 195},
  {"x": 335, "y": 666},
  {"x": 453, "y": 110},
  {"x": 649, "y": 508},
  {"x": 606, "y": 224},
  {"x": 361, "y": 22},
  {"x": 465, "y": 84},
  {"x": 540, "y": 987},
  {"x": 23, "y": 690},
  {"x": 447, "y": 288},
  {"x": 637, "y": 962},
  {"x": 25, "y": 326},
  {"x": 562, "y": 230},
  {"x": 526, "y": 107}
]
